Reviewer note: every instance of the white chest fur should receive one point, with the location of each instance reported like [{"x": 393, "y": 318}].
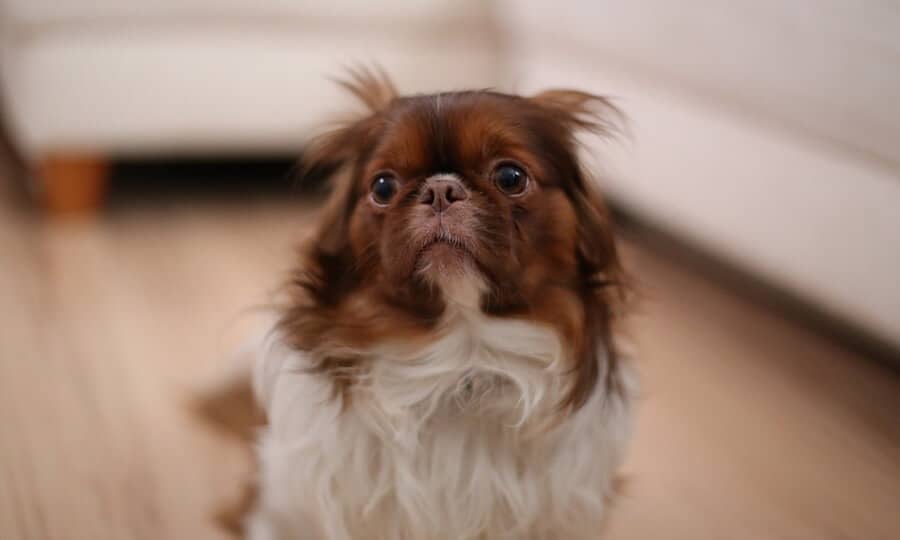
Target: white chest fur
[{"x": 447, "y": 441}]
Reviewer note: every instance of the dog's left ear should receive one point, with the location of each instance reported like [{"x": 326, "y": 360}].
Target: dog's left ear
[
  {"x": 571, "y": 112},
  {"x": 575, "y": 111}
]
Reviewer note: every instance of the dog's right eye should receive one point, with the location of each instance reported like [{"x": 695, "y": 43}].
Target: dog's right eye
[{"x": 384, "y": 187}]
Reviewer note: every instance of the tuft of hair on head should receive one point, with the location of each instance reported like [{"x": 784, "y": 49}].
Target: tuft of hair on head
[
  {"x": 326, "y": 153},
  {"x": 371, "y": 86},
  {"x": 584, "y": 111}
]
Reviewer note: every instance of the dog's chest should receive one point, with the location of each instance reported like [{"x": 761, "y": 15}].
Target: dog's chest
[{"x": 439, "y": 442}]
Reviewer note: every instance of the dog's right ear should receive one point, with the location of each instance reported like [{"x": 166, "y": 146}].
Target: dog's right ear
[
  {"x": 338, "y": 155},
  {"x": 335, "y": 157}
]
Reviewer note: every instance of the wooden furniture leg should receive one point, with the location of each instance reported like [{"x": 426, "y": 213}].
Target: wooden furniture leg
[{"x": 72, "y": 183}]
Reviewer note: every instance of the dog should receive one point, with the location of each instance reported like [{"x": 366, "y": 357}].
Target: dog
[{"x": 446, "y": 362}]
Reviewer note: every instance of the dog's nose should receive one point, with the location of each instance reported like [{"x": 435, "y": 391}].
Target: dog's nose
[{"x": 442, "y": 191}]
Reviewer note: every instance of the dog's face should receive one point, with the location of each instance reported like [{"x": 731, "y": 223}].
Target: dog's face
[
  {"x": 460, "y": 184},
  {"x": 476, "y": 194}
]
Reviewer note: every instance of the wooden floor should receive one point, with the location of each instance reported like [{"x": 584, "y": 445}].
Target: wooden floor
[{"x": 749, "y": 426}]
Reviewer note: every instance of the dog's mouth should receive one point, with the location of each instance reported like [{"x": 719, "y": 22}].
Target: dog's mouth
[
  {"x": 445, "y": 247},
  {"x": 445, "y": 238}
]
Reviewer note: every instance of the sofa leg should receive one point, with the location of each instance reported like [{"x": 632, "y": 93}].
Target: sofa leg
[{"x": 72, "y": 184}]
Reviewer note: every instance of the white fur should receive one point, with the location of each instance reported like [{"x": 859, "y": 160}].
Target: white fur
[{"x": 457, "y": 439}]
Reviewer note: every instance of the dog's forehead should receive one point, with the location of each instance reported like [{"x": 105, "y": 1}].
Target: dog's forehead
[{"x": 451, "y": 130}]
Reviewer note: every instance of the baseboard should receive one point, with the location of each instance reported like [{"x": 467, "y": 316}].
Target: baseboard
[{"x": 845, "y": 333}]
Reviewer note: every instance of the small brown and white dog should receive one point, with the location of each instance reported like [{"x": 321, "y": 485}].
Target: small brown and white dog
[{"x": 445, "y": 366}]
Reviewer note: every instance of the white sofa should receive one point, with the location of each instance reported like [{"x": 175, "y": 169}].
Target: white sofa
[{"x": 127, "y": 77}]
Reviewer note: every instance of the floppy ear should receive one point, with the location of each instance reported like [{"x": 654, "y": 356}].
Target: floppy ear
[
  {"x": 603, "y": 289},
  {"x": 602, "y": 278},
  {"x": 575, "y": 111},
  {"x": 335, "y": 155}
]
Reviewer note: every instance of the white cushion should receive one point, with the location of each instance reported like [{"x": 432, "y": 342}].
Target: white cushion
[
  {"x": 42, "y": 12},
  {"x": 189, "y": 90}
]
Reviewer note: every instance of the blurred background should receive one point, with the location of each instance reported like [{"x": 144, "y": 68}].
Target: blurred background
[{"x": 147, "y": 204}]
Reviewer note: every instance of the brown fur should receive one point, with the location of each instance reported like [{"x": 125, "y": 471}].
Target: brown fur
[{"x": 549, "y": 255}]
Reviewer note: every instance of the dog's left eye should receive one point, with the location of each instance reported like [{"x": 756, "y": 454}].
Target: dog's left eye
[
  {"x": 510, "y": 179},
  {"x": 384, "y": 187}
]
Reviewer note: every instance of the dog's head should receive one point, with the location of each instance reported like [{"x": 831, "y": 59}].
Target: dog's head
[{"x": 471, "y": 200}]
